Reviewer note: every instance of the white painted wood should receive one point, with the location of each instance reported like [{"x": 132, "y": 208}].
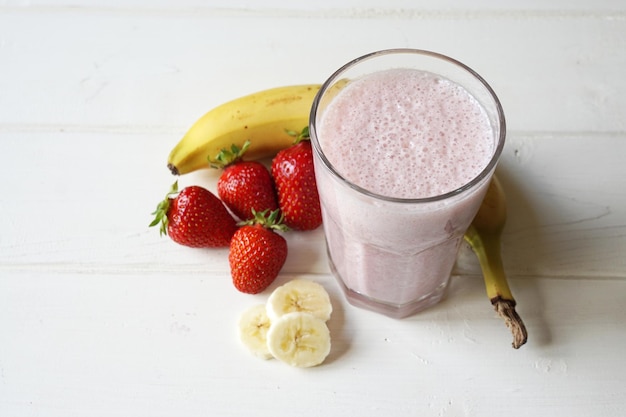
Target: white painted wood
[
  {"x": 283, "y": 6},
  {"x": 157, "y": 344},
  {"x": 152, "y": 80},
  {"x": 567, "y": 207},
  {"x": 99, "y": 316}
]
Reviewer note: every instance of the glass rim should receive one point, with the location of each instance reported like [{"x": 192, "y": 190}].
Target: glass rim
[{"x": 470, "y": 184}]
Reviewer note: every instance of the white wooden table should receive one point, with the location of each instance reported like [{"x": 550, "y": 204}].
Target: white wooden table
[{"x": 99, "y": 316}]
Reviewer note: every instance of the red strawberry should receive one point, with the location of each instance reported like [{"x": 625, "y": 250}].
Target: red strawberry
[
  {"x": 292, "y": 169},
  {"x": 244, "y": 186},
  {"x": 194, "y": 217},
  {"x": 257, "y": 253}
]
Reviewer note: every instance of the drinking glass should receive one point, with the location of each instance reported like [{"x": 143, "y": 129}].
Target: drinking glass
[{"x": 395, "y": 255}]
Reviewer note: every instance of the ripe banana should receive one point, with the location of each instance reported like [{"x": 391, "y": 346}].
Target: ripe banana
[
  {"x": 299, "y": 295},
  {"x": 299, "y": 339},
  {"x": 263, "y": 118},
  {"x": 253, "y": 327},
  {"x": 483, "y": 236},
  {"x": 295, "y": 331}
]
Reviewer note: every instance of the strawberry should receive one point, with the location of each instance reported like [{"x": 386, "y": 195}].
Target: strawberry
[
  {"x": 257, "y": 252},
  {"x": 292, "y": 169},
  {"x": 244, "y": 186},
  {"x": 194, "y": 217}
]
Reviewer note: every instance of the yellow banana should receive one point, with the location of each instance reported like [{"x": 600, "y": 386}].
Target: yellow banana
[
  {"x": 483, "y": 236},
  {"x": 262, "y": 118}
]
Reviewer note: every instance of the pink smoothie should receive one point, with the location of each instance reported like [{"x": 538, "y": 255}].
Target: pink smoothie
[{"x": 405, "y": 134}]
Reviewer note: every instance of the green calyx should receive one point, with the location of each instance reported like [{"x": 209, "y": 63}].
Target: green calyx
[
  {"x": 229, "y": 156},
  {"x": 160, "y": 214},
  {"x": 272, "y": 220},
  {"x": 300, "y": 136}
]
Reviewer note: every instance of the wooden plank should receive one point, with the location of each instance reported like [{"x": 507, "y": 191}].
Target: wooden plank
[
  {"x": 283, "y": 6},
  {"x": 79, "y": 76},
  {"x": 166, "y": 344},
  {"x": 89, "y": 197}
]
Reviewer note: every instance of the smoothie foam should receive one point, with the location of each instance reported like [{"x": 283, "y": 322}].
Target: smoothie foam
[{"x": 406, "y": 133}]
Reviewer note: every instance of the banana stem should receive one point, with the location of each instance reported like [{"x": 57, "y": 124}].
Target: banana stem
[
  {"x": 488, "y": 252},
  {"x": 506, "y": 311}
]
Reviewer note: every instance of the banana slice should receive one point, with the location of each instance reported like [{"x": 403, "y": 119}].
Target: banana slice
[
  {"x": 299, "y": 339},
  {"x": 253, "y": 327},
  {"x": 299, "y": 295}
]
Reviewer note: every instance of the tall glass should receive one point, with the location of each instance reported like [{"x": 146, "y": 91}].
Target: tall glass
[{"x": 394, "y": 253}]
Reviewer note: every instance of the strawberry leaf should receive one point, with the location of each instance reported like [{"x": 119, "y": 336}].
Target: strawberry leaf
[
  {"x": 272, "y": 221},
  {"x": 160, "y": 214},
  {"x": 229, "y": 156},
  {"x": 300, "y": 136}
]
